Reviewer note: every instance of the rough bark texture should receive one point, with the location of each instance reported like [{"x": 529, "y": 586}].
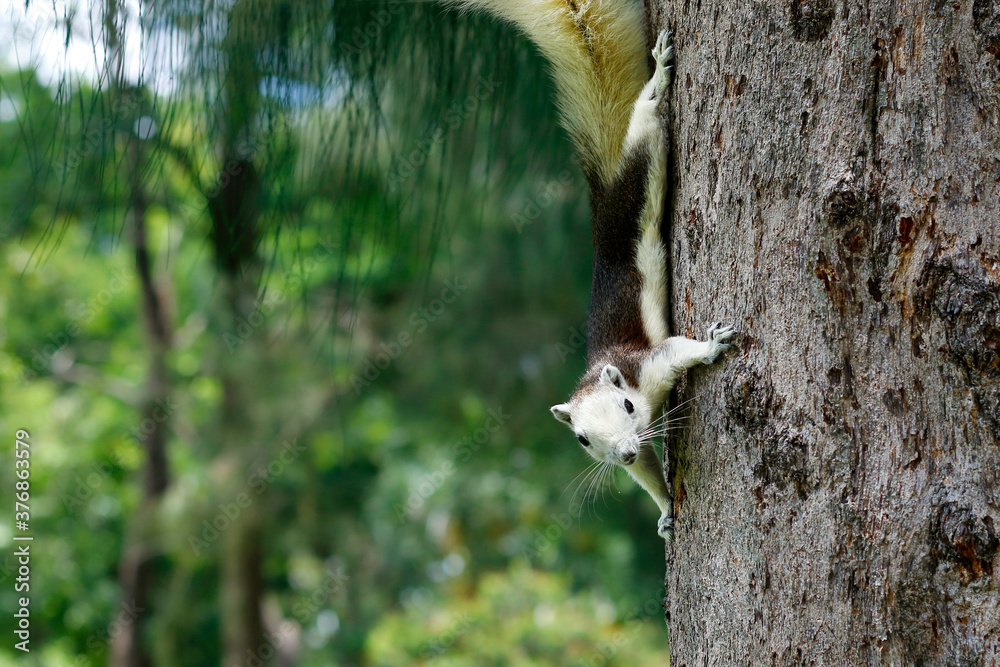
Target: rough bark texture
[{"x": 837, "y": 493}]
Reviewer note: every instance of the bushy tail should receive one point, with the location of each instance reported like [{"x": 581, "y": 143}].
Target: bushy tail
[{"x": 597, "y": 49}]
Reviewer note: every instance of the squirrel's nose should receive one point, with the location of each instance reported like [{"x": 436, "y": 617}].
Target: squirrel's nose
[{"x": 628, "y": 456}]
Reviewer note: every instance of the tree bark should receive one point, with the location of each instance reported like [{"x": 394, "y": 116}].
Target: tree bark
[
  {"x": 136, "y": 570},
  {"x": 836, "y": 198}
]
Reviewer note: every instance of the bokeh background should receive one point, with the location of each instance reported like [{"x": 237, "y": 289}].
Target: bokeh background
[{"x": 286, "y": 291}]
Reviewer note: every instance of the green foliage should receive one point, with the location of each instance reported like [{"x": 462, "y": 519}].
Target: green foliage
[
  {"x": 519, "y": 617},
  {"x": 82, "y": 458}
]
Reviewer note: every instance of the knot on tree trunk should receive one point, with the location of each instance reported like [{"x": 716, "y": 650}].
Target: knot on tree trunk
[
  {"x": 961, "y": 536},
  {"x": 986, "y": 19},
  {"x": 811, "y": 19}
]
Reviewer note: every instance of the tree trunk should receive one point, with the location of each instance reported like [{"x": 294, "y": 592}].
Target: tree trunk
[
  {"x": 235, "y": 214},
  {"x": 136, "y": 569},
  {"x": 836, "y": 198}
]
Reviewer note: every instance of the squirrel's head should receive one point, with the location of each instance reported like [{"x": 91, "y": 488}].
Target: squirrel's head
[{"x": 609, "y": 420}]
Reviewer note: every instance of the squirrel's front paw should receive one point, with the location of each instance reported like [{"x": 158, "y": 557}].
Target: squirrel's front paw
[
  {"x": 717, "y": 337},
  {"x": 665, "y": 527}
]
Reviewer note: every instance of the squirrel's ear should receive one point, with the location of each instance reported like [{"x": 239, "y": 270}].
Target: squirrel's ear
[
  {"x": 561, "y": 412},
  {"x": 611, "y": 375}
]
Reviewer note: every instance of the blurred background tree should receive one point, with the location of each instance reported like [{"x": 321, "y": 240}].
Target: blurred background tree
[{"x": 286, "y": 290}]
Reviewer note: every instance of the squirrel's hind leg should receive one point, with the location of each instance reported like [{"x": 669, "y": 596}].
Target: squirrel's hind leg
[
  {"x": 645, "y": 126},
  {"x": 663, "y": 54}
]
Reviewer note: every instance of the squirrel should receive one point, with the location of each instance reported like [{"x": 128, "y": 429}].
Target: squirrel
[{"x": 596, "y": 50}]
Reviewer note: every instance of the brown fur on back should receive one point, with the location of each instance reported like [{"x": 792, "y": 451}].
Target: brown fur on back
[
  {"x": 628, "y": 360},
  {"x": 615, "y": 318}
]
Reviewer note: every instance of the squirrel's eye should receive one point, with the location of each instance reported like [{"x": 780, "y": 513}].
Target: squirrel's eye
[
  {"x": 583, "y": 440},
  {"x": 629, "y": 408}
]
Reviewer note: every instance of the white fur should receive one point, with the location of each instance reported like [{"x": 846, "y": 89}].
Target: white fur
[
  {"x": 645, "y": 129},
  {"x": 601, "y": 417},
  {"x": 650, "y": 258},
  {"x": 661, "y": 369},
  {"x": 612, "y": 432},
  {"x": 648, "y": 473}
]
